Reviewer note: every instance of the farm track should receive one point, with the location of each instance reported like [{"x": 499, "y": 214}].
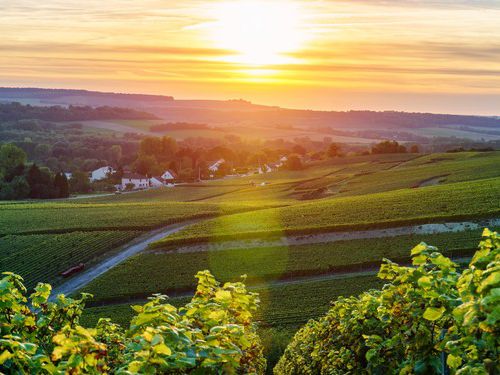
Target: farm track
[
  {"x": 80, "y": 280},
  {"x": 328, "y": 237}
]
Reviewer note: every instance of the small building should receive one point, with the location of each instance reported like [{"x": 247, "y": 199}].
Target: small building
[
  {"x": 135, "y": 181},
  {"x": 101, "y": 173},
  {"x": 68, "y": 175},
  {"x": 157, "y": 181},
  {"x": 169, "y": 175},
  {"x": 214, "y": 167}
]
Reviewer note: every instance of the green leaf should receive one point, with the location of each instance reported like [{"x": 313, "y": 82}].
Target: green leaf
[
  {"x": 422, "y": 246},
  {"x": 425, "y": 282},
  {"x": 453, "y": 361},
  {"x": 434, "y": 313}
]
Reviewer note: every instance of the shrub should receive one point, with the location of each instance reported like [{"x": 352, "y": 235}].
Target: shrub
[
  {"x": 428, "y": 317},
  {"x": 212, "y": 334}
]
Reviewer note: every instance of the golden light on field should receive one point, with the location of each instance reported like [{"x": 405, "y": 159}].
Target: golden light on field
[{"x": 259, "y": 32}]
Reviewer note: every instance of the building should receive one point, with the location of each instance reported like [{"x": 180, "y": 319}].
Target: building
[
  {"x": 169, "y": 175},
  {"x": 134, "y": 181},
  {"x": 214, "y": 167},
  {"x": 101, "y": 173},
  {"x": 157, "y": 181}
]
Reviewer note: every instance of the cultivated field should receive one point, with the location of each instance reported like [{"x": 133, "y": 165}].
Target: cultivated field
[{"x": 39, "y": 240}]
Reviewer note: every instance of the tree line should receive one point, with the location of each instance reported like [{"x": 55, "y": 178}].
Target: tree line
[{"x": 18, "y": 181}]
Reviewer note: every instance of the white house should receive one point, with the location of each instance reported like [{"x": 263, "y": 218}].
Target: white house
[
  {"x": 135, "y": 180},
  {"x": 169, "y": 175},
  {"x": 157, "y": 181},
  {"x": 101, "y": 173},
  {"x": 214, "y": 167}
]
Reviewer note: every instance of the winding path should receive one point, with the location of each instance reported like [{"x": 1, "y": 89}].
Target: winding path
[
  {"x": 80, "y": 280},
  {"x": 139, "y": 244}
]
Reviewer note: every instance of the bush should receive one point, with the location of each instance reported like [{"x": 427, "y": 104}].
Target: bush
[
  {"x": 425, "y": 313},
  {"x": 212, "y": 334}
]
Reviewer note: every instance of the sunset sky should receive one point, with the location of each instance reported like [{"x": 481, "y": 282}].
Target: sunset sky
[{"x": 439, "y": 56}]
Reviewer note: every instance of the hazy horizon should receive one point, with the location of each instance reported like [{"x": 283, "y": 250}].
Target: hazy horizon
[{"x": 427, "y": 56}]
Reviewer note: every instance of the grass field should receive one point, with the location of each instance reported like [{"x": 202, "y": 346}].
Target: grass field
[
  {"x": 463, "y": 200},
  {"x": 165, "y": 272}
]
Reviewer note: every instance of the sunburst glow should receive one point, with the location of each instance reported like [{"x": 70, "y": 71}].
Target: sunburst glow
[{"x": 260, "y": 32}]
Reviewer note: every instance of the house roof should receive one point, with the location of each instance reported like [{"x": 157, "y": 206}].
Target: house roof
[
  {"x": 106, "y": 168},
  {"x": 171, "y": 172},
  {"x": 134, "y": 176}
]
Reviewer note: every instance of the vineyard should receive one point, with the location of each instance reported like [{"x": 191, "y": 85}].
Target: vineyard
[
  {"x": 286, "y": 305},
  {"x": 266, "y": 223},
  {"x": 41, "y": 258},
  {"x": 152, "y": 272},
  {"x": 66, "y": 217},
  {"x": 458, "y": 201}
]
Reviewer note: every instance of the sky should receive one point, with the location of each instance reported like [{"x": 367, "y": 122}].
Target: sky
[{"x": 430, "y": 55}]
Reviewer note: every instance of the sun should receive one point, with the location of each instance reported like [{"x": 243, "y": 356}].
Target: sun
[{"x": 259, "y": 32}]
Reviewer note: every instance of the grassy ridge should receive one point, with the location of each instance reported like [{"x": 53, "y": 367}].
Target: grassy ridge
[
  {"x": 467, "y": 166},
  {"x": 40, "y": 258},
  {"x": 152, "y": 272},
  {"x": 458, "y": 201}
]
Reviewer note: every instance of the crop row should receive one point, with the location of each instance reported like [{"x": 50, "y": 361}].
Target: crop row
[
  {"x": 462, "y": 167},
  {"x": 458, "y": 201},
  {"x": 40, "y": 258},
  {"x": 65, "y": 217},
  {"x": 152, "y": 272}
]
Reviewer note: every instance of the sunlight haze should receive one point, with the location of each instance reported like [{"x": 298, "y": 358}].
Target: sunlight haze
[{"x": 403, "y": 55}]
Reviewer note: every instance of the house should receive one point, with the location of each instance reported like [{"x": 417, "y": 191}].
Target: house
[
  {"x": 264, "y": 169},
  {"x": 169, "y": 175},
  {"x": 134, "y": 181},
  {"x": 157, "y": 181},
  {"x": 101, "y": 173},
  {"x": 214, "y": 167}
]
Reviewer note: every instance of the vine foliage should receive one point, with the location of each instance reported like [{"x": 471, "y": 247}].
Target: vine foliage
[
  {"x": 429, "y": 318},
  {"x": 213, "y": 334}
]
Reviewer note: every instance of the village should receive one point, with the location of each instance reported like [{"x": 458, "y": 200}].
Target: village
[{"x": 133, "y": 181}]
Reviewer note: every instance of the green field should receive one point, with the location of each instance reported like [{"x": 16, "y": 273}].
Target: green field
[
  {"x": 57, "y": 217},
  {"x": 41, "y": 257},
  {"x": 41, "y": 239},
  {"x": 281, "y": 304},
  {"x": 458, "y": 201},
  {"x": 166, "y": 272}
]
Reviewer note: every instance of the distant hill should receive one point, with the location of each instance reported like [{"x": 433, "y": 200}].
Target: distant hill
[{"x": 244, "y": 113}]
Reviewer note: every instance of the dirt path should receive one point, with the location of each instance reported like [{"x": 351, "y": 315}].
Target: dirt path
[
  {"x": 309, "y": 239},
  {"x": 80, "y": 280}
]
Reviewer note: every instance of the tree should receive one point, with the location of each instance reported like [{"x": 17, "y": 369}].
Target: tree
[
  {"x": 12, "y": 158},
  {"x": 294, "y": 162},
  {"x": 42, "y": 151},
  {"x": 115, "y": 154},
  {"x": 334, "y": 150},
  {"x": 146, "y": 165},
  {"x": 20, "y": 187},
  {"x": 298, "y": 149},
  {"x": 388, "y": 147},
  {"x": 79, "y": 182},
  {"x": 414, "y": 149},
  {"x": 61, "y": 185}
]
